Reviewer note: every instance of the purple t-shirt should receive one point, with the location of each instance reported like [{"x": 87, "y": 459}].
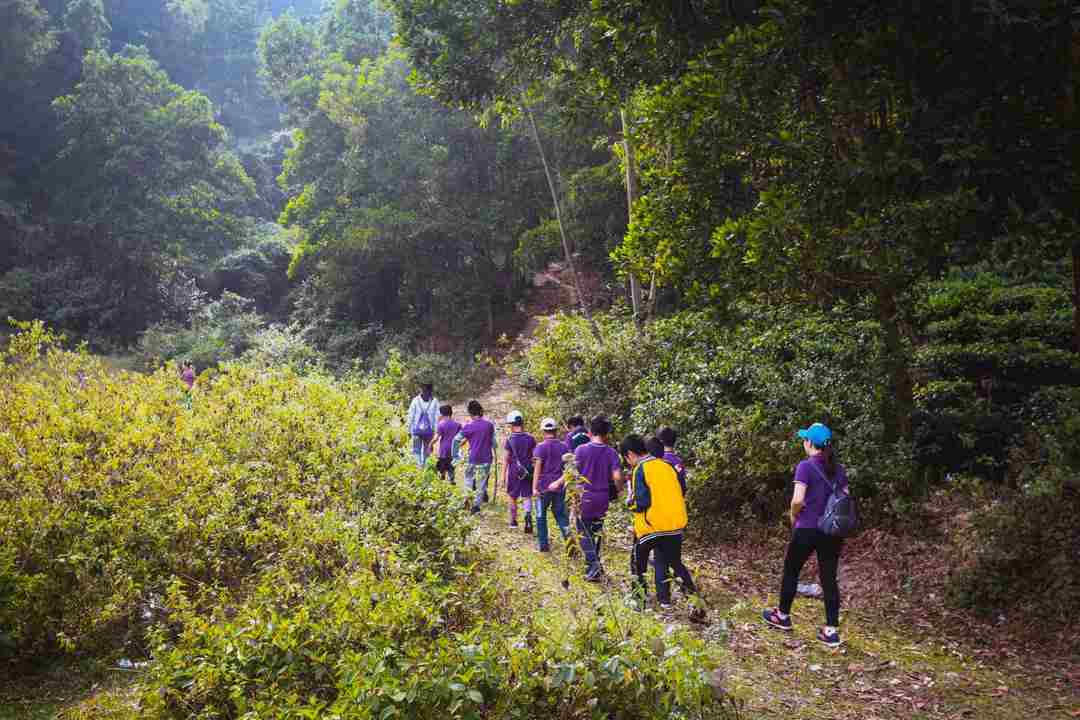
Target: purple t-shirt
[
  {"x": 519, "y": 445},
  {"x": 675, "y": 461},
  {"x": 596, "y": 462},
  {"x": 817, "y": 491},
  {"x": 480, "y": 433},
  {"x": 550, "y": 453},
  {"x": 448, "y": 429}
]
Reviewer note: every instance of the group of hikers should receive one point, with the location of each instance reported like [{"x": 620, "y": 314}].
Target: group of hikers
[{"x": 535, "y": 484}]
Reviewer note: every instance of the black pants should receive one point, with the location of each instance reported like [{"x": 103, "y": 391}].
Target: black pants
[
  {"x": 668, "y": 556},
  {"x": 805, "y": 541},
  {"x": 591, "y": 535}
]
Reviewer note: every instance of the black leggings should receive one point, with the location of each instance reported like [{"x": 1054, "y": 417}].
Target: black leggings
[
  {"x": 805, "y": 541},
  {"x": 668, "y": 555}
]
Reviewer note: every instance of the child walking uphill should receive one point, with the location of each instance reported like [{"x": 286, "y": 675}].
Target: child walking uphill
[
  {"x": 479, "y": 432},
  {"x": 518, "y": 469},
  {"x": 667, "y": 437},
  {"x": 576, "y": 434},
  {"x": 445, "y": 432},
  {"x": 813, "y": 478},
  {"x": 659, "y": 520},
  {"x": 599, "y": 465},
  {"x": 549, "y": 491}
]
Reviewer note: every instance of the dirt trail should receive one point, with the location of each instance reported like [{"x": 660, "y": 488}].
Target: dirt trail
[{"x": 889, "y": 667}]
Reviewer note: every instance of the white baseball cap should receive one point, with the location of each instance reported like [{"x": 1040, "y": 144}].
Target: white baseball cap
[
  {"x": 549, "y": 424},
  {"x": 514, "y": 418}
]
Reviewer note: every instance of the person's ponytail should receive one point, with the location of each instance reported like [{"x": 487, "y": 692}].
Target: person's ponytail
[{"x": 830, "y": 460}]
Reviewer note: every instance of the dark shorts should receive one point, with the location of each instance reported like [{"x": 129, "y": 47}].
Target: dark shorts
[{"x": 445, "y": 464}]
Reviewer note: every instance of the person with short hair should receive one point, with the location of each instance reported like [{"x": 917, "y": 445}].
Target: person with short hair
[
  {"x": 479, "y": 433},
  {"x": 656, "y": 499},
  {"x": 814, "y": 479},
  {"x": 549, "y": 487},
  {"x": 421, "y": 422},
  {"x": 445, "y": 432},
  {"x": 576, "y": 434},
  {"x": 601, "y": 469},
  {"x": 518, "y": 469},
  {"x": 667, "y": 437}
]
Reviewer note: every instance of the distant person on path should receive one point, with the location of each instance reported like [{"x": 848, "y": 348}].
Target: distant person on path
[
  {"x": 656, "y": 499},
  {"x": 599, "y": 465},
  {"x": 518, "y": 469},
  {"x": 479, "y": 432},
  {"x": 576, "y": 434},
  {"x": 549, "y": 490},
  {"x": 813, "y": 477},
  {"x": 187, "y": 374},
  {"x": 421, "y": 422},
  {"x": 443, "y": 444}
]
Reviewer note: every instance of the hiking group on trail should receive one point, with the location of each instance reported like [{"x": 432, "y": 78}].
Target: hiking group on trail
[{"x": 536, "y": 475}]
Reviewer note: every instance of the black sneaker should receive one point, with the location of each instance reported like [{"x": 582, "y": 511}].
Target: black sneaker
[
  {"x": 513, "y": 523},
  {"x": 486, "y": 499},
  {"x": 528, "y": 524},
  {"x": 595, "y": 573},
  {"x": 829, "y": 637},
  {"x": 772, "y": 617}
]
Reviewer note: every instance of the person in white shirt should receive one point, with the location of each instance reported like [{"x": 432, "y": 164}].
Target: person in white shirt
[{"x": 421, "y": 421}]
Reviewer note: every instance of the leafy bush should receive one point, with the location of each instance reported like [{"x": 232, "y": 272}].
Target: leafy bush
[
  {"x": 223, "y": 329},
  {"x": 1021, "y": 549},
  {"x": 110, "y": 485},
  {"x": 455, "y": 376},
  {"x": 583, "y": 375},
  {"x": 734, "y": 393}
]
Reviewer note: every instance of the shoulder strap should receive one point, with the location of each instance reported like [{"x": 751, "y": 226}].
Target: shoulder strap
[
  {"x": 831, "y": 486},
  {"x": 513, "y": 451}
]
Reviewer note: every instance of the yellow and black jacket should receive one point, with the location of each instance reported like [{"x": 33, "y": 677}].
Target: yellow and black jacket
[{"x": 657, "y": 503}]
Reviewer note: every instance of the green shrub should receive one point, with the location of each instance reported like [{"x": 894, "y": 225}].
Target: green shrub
[
  {"x": 111, "y": 484},
  {"x": 1021, "y": 550}
]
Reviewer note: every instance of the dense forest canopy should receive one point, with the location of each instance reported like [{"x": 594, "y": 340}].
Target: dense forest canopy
[{"x": 359, "y": 187}]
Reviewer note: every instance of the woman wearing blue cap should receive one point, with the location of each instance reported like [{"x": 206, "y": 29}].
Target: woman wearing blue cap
[{"x": 814, "y": 479}]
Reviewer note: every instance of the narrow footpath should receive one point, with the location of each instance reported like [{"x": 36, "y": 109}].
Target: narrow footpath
[{"x": 889, "y": 666}]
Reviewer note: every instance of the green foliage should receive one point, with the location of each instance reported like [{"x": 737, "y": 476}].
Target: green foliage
[
  {"x": 1027, "y": 537},
  {"x": 454, "y": 376},
  {"x": 112, "y": 486},
  {"x": 222, "y": 330}
]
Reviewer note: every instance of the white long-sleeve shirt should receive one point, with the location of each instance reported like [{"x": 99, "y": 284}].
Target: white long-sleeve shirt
[{"x": 418, "y": 406}]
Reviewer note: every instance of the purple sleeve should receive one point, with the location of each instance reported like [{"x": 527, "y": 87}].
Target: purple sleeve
[{"x": 803, "y": 473}]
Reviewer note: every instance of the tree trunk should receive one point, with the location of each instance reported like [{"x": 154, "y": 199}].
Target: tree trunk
[
  {"x": 1076, "y": 294},
  {"x": 631, "y": 197},
  {"x": 558, "y": 218},
  {"x": 1071, "y": 121},
  {"x": 898, "y": 403}
]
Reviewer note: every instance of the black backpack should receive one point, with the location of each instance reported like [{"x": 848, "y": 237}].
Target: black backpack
[{"x": 841, "y": 516}]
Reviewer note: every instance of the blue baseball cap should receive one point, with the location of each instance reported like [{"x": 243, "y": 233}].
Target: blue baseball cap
[{"x": 819, "y": 435}]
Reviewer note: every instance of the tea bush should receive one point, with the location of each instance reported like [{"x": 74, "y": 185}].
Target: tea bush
[{"x": 110, "y": 484}]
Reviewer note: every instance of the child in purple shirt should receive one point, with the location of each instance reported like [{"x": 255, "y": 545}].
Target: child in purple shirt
[
  {"x": 667, "y": 436},
  {"x": 601, "y": 467},
  {"x": 443, "y": 443},
  {"x": 479, "y": 432},
  {"x": 549, "y": 492},
  {"x": 518, "y": 469}
]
